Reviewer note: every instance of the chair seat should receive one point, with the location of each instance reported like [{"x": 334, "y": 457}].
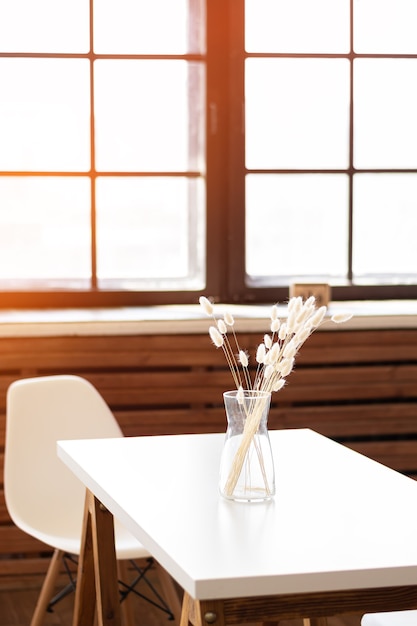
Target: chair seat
[{"x": 394, "y": 618}]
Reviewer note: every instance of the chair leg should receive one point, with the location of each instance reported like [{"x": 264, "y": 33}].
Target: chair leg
[
  {"x": 47, "y": 589},
  {"x": 126, "y": 605},
  {"x": 169, "y": 592}
]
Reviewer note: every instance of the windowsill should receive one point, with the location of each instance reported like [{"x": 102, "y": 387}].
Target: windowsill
[{"x": 189, "y": 319}]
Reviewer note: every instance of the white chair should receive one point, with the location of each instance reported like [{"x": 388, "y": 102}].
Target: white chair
[
  {"x": 43, "y": 497},
  {"x": 393, "y": 618}
]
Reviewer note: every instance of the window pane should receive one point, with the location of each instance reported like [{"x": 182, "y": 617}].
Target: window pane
[
  {"x": 288, "y": 221},
  {"x": 150, "y": 232},
  {"x": 385, "y": 226},
  {"x": 297, "y": 113},
  {"x": 297, "y": 26},
  {"x": 149, "y": 115},
  {"x": 44, "y": 115},
  {"x": 143, "y": 27},
  {"x": 385, "y": 26},
  {"x": 44, "y": 26},
  {"x": 44, "y": 228},
  {"x": 385, "y": 122}
]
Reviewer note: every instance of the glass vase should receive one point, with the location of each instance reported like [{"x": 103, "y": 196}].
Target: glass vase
[{"x": 247, "y": 466}]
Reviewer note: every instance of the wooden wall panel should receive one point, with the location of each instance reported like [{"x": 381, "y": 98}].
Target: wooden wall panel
[{"x": 358, "y": 387}]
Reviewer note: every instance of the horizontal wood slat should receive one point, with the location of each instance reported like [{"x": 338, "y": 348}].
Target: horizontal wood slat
[
  {"x": 24, "y": 566},
  {"x": 171, "y": 421},
  {"x": 148, "y": 351},
  {"x": 357, "y": 387},
  {"x": 399, "y": 455},
  {"x": 346, "y": 421},
  {"x": 15, "y": 541}
]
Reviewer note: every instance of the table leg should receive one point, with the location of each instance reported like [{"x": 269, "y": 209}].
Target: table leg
[
  {"x": 185, "y": 611},
  {"x": 201, "y": 613},
  {"x": 315, "y": 621},
  {"x": 97, "y": 569}
]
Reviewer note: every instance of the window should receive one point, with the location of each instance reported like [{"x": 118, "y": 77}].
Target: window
[
  {"x": 330, "y": 168},
  {"x": 152, "y": 151},
  {"x": 102, "y": 158}
]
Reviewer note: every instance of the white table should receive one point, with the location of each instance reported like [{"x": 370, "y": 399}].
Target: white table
[{"x": 339, "y": 536}]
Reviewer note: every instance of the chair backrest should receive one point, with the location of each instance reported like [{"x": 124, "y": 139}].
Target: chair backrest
[{"x": 41, "y": 493}]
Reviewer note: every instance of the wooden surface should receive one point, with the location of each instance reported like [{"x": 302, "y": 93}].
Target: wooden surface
[
  {"x": 17, "y": 604},
  {"x": 357, "y": 386},
  {"x": 97, "y": 559}
]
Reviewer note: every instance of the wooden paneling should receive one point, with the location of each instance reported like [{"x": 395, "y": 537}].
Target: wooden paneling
[{"x": 358, "y": 387}]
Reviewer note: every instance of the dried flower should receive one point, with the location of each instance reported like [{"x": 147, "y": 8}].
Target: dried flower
[
  {"x": 228, "y": 318},
  {"x": 222, "y": 327},
  {"x": 206, "y": 305},
  {"x": 290, "y": 349},
  {"x": 243, "y": 358},
  {"x": 240, "y": 395},
  {"x": 268, "y": 371},
  {"x": 301, "y": 335},
  {"x": 339, "y": 318},
  {"x": 282, "y": 331},
  {"x": 216, "y": 337},
  {"x": 275, "y": 324},
  {"x": 260, "y": 353},
  {"x": 317, "y": 317},
  {"x": 286, "y": 367},
  {"x": 278, "y": 385},
  {"x": 275, "y": 355}
]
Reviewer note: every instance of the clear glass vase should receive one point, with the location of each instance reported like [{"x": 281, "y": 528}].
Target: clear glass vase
[{"x": 247, "y": 465}]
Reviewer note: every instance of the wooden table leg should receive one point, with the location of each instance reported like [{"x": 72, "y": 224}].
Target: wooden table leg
[
  {"x": 315, "y": 621},
  {"x": 201, "y": 613},
  {"x": 97, "y": 585},
  {"x": 185, "y": 611}
]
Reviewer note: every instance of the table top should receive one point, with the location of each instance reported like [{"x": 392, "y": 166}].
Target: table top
[{"x": 338, "y": 521}]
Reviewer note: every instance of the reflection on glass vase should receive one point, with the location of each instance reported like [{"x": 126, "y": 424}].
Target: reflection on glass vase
[{"x": 247, "y": 466}]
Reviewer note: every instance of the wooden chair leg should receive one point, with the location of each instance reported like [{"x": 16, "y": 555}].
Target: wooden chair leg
[
  {"x": 126, "y": 605},
  {"x": 85, "y": 591},
  {"x": 47, "y": 589},
  {"x": 315, "y": 621},
  {"x": 169, "y": 592}
]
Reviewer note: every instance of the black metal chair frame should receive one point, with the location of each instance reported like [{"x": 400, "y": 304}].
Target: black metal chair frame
[{"x": 125, "y": 589}]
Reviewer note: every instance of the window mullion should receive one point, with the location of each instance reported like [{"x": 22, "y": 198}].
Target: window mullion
[
  {"x": 236, "y": 221},
  {"x": 217, "y": 152}
]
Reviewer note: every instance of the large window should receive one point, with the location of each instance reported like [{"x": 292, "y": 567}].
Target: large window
[{"x": 154, "y": 150}]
